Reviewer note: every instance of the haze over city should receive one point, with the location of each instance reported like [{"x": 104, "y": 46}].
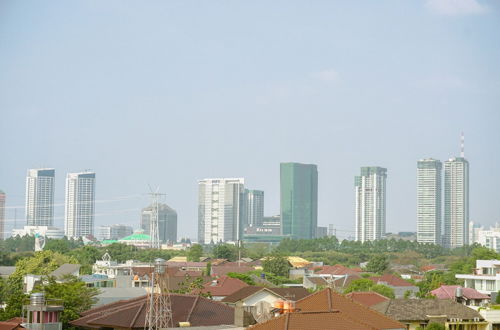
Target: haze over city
[{"x": 168, "y": 93}]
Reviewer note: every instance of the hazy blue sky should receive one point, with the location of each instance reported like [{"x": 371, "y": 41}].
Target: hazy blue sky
[{"x": 169, "y": 92}]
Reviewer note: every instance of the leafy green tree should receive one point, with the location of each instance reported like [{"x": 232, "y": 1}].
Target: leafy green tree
[
  {"x": 407, "y": 294},
  {"x": 193, "y": 286},
  {"x": 383, "y": 290},
  {"x": 208, "y": 270},
  {"x": 42, "y": 263},
  {"x": 433, "y": 280},
  {"x": 244, "y": 277},
  {"x": 75, "y": 295},
  {"x": 497, "y": 299},
  {"x": 364, "y": 284},
  {"x": 122, "y": 252},
  {"x": 225, "y": 251},
  {"x": 378, "y": 264},
  {"x": 195, "y": 252},
  {"x": 276, "y": 264}
]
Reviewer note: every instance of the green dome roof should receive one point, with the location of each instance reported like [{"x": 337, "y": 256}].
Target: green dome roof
[{"x": 137, "y": 237}]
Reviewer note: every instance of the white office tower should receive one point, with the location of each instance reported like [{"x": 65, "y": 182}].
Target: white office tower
[
  {"x": 219, "y": 210},
  {"x": 456, "y": 202},
  {"x": 370, "y": 203},
  {"x": 79, "y": 206},
  {"x": 254, "y": 207},
  {"x": 40, "y": 197},
  {"x": 429, "y": 201}
]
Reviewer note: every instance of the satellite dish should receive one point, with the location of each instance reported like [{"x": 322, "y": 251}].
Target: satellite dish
[{"x": 261, "y": 312}]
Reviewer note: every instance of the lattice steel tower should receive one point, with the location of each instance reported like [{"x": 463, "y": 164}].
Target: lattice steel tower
[
  {"x": 154, "y": 231},
  {"x": 159, "y": 308}
]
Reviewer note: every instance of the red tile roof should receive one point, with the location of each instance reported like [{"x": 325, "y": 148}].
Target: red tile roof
[
  {"x": 12, "y": 324},
  {"x": 391, "y": 280},
  {"x": 328, "y": 299},
  {"x": 448, "y": 292},
  {"x": 367, "y": 298},
  {"x": 130, "y": 314},
  {"x": 223, "y": 286},
  {"x": 293, "y": 294},
  {"x": 337, "y": 270}
]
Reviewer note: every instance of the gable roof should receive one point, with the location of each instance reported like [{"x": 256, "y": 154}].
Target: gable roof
[
  {"x": 337, "y": 270},
  {"x": 65, "y": 269},
  {"x": 328, "y": 299},
  {"x": 391, "y": 280},
  {"x": 130, "y": 314},
  {"x": 223, "y": 286},
  {"x": 367, "y": 298},
  {"x": 293, "y": 294},
  {"x": 12, "y": 324},
  {"x": 421, "y": 309},
  {"x": 448, "y": 292}
]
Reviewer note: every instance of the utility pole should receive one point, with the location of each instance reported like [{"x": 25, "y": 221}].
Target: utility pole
[{"x": 154, "y": 231}]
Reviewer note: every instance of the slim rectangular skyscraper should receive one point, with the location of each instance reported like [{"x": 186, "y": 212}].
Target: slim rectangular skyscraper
[
  {"x": 456, "y": 202},
  {"x": 429, "y": 201},
  {"x": 40, "y": 197},
  {"x": 220, "y": 210},
  {"x": 167, "y": 222},
  {"x": 254, "y": 207},
  {"x": 299, "y": 199},
  {"x": 370, "y": 189},
  {"x": 79, "y": 206},
  {"x": 2, "y": 215}
]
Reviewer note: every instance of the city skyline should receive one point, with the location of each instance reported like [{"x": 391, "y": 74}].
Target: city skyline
[{"x": 338, "y": 84}]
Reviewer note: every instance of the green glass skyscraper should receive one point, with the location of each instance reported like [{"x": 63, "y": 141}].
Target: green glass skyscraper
[{"x": 299, "y": 199}]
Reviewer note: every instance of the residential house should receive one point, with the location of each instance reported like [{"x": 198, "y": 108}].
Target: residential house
[
  {"x": 187, "y": 310},
  {"x": 420, "y": 312},
  {"x": 466, "y": 296},
  {"x": 399, "y": 285},
  {"x": 485, "y": 278},
  {"x": 368, "y": 299},
  {"x": 221, "y": 287}
]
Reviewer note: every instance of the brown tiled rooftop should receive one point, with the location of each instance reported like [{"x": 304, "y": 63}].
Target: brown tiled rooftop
[
  {"x": 130, "y": 314},
  {"x": 223, "y": 286},
  {"x": 293, "y": 294},
  {"x": 367, "y": 298}
]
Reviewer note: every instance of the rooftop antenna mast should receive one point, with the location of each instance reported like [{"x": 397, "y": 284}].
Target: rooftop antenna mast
[
  {"x": 159, "y": 306},
  {"x": 462, "y": 145},
  {"x": 154, "y": 231}
]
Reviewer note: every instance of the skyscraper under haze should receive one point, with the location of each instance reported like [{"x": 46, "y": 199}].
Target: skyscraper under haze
[
  {"x": 456, "y": 202},
  {"x": 2, "y": 215},
  {"x": 254, "y": 207},
  {"x": 167, "y": 222},
  {"x": 299, "y": 199},
  {"x": 79, "y": 206},
  {"x": 429, "y": 201},
  {"x": 370, "y": 189},
  {"x": 220, "y": 210},
  {"x": 40, "y": 197}
]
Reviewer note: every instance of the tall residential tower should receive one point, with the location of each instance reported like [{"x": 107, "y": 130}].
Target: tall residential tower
[
  {"x": 456, "y": 202},
  {"x": 220, "y": 210},
  {"x": 370, "y": 212},
  {"x": 40, "y": 197},
  {"x": 79, "y": 206},
  {"x": 429, "y": 201},
  {"x": 299, "y": 199},
  {"x": 254, "y": 208}
]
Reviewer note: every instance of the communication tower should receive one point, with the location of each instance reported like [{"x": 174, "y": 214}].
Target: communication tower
[{"x": 159, "y": 307}]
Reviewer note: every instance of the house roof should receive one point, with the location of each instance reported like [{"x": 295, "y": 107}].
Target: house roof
[
  {"x": 448, "y": 292},
  {"x": 223, "y": 286},
  {"x": 14, "y": 323},
  {"x": 223, "y": 269},
  {"x": 421, "y": 309},
  {"x": 337, "y": 270},
  {"x": 65, "y": 269},
  {"x": 130, "y": 314},
  {"x": 284, "y": 293},
  {"x": 367, "y": 298},
  {"x": 178, "y": 259},
  {"x": 391, "y": 280},
  {"x": 298, "y": 262},
  {"x": 136, "y": 237},
  {"x": 317, "y": 280},
  {"x": 328, "y": 299}
]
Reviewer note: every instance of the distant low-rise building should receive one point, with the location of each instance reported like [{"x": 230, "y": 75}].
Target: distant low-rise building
[
  {"x": 486, "y": 277},
  {"x": 400, "y": 286},
  {"x": 138, "y": 239},
  {"x": 113, "y": 232},
  {"x": 465, "y": 296},
  {"x": 48, "y": 232}
]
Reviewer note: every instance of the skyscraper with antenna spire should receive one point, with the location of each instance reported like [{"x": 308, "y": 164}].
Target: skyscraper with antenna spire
[{"x": 456, "y": 200}]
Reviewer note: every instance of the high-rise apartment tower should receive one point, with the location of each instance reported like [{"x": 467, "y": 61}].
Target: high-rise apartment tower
[
  {"x": 220, "y": 210},
  {"x": 299, "y": 199},
  {"x": 370, "y": 189},
  {"x": 254, "y": 208},
  {"x": 429, "y": 201},
  {"x": 40, "y": 197},
  {"x": 79, "y": 206},
  {"x": 456, "y": 202}
]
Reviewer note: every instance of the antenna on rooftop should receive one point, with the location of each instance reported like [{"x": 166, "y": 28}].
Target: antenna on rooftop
[{"x": 462, "y": 145}]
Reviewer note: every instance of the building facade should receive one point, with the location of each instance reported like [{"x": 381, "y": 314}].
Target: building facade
[
  {"x": 79, "y": 204},
  {"x": 40, "y": 197},
  {"x": 113, "y": 232},
  {"x": 370, "y": 213},
  {"x": 429, "y": 201},
  {"x": 456, "y": 202},
  {"x": 220, "y": 210},
  {"x": 167, "y": 222},
  {"x": 2, "y": 215},
  {"x": 299, "y": 199},
  {"x": 48, "y": 232},
  {"x": 254, "y": 208}
]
